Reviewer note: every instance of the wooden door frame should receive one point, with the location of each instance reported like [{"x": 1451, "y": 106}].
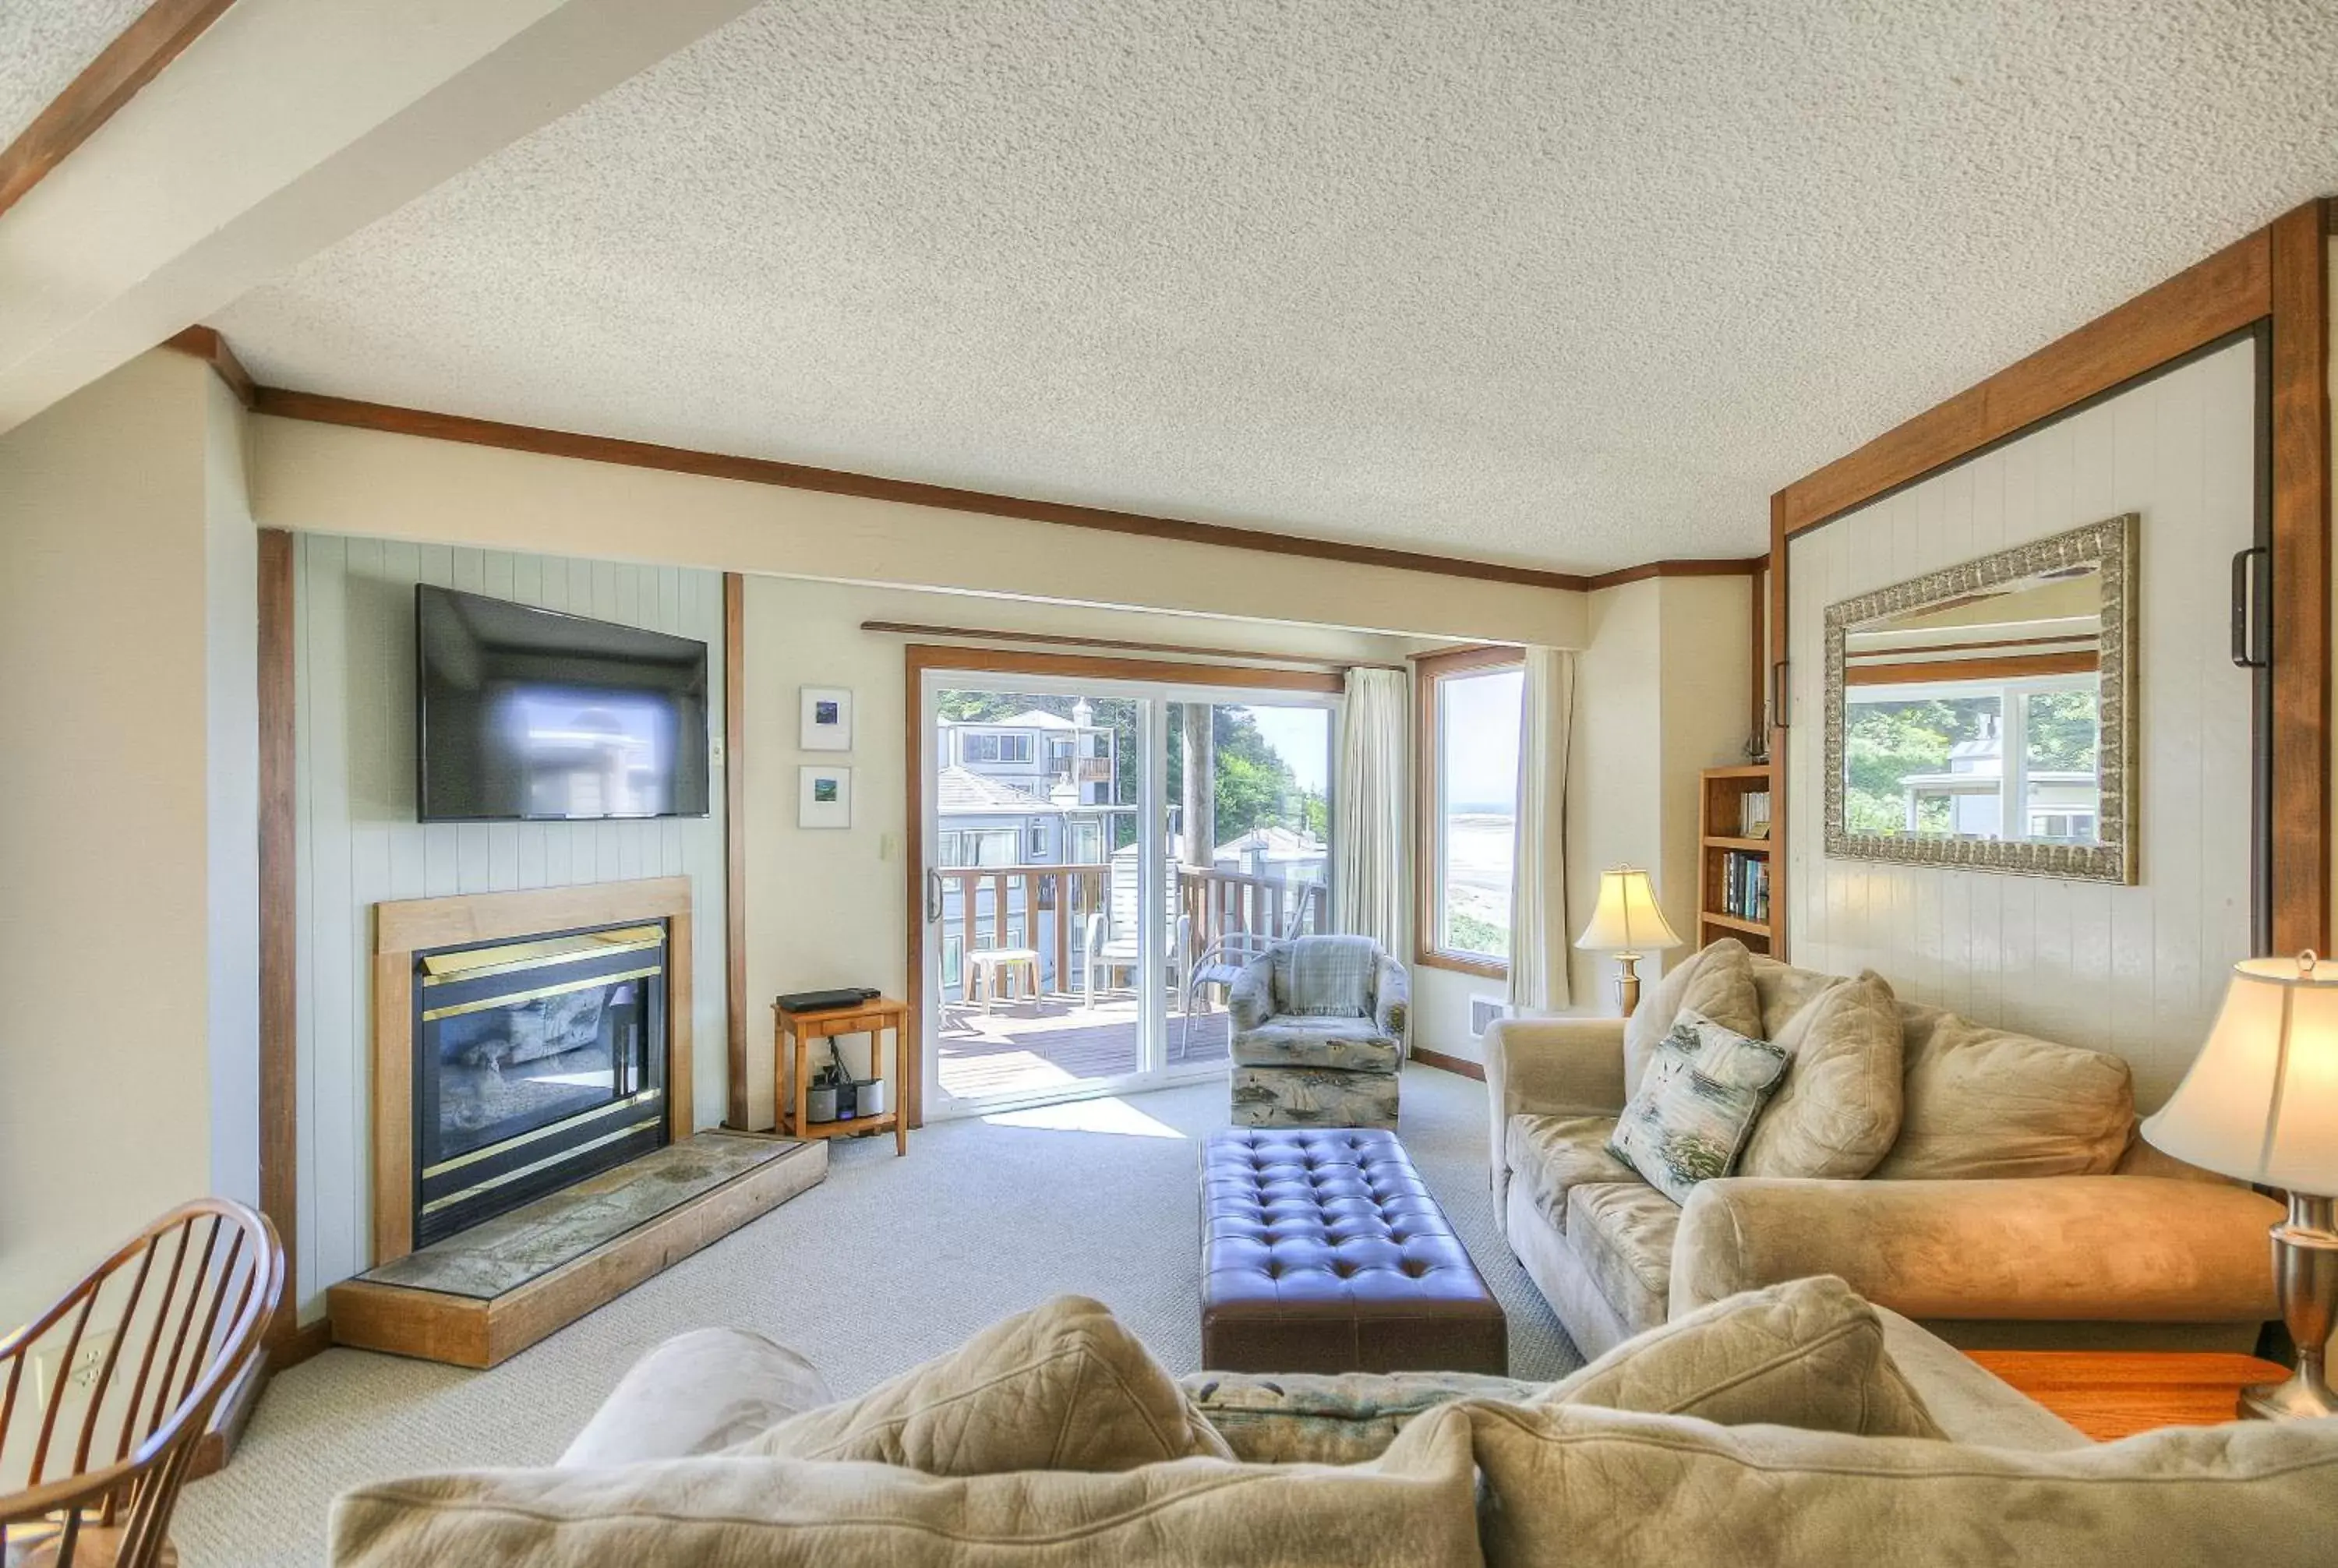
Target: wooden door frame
[
  {"x": 916, "y": 658},
  {"x": 2277, "y": 278}
]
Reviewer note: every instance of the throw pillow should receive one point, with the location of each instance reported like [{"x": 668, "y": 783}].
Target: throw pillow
[
  {"x": 1716, "y": 981},
  {"x": 1063, "y": 1386},
  {"x": 1989, "y": 1103},
  {"x": 1808, "y": 1353},
  {"x": 1837, "y": 1111},
  {"x": 1691, "y": 1113}
]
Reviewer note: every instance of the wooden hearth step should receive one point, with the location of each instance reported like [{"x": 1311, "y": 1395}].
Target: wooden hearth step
[{"x": 481, "y": 1297}]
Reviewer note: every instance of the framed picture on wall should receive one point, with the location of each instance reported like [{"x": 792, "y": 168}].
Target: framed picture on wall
[
  {"x": 823, "y": 796},
  {"x": 827, "y": 719}
]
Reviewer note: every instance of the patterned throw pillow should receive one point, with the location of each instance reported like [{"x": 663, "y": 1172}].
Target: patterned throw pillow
[{"x": 1697, "y": 1106}]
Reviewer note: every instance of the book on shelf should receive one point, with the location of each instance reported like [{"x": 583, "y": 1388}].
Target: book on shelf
[
  {"x": 1745, "y": 886},
  {"x": 1754, "y": 814}
]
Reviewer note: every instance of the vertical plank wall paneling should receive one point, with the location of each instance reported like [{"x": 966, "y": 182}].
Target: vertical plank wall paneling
[
  {"x": 360, "y": 845},
  {"x": 2135, "y": 970}
]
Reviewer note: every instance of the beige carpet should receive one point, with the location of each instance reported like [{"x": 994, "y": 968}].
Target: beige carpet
[{"x": 888, "y": 1262}]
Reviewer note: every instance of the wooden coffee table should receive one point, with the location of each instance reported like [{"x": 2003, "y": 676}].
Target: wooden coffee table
[{"x": 2113, "y": 1393}]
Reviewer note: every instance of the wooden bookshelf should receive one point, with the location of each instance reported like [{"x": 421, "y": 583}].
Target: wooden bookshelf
[{"x": 1721, "y": 841}]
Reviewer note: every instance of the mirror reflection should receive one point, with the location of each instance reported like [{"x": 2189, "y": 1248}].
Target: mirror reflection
[{"x": 1980, "y": 717}]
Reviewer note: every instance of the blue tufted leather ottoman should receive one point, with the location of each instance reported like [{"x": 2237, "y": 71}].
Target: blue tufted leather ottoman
[{"x": 1322, "y": 1252}]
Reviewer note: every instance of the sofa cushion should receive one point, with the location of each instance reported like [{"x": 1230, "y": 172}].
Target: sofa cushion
[
  {"x": 1549, "y": 1155},
  {"x": 1571, "y": 1484},
  {"x": 1716, "y": 981},
  {"x": 1690, "y": 1118},
  {"x": 1331, "y": 1417},
  {"x": 1983, "y": 1102},
  {"x": 1780, "y": 991},
  {"x": 1348, "y": 1043},
  {"x": 1808, "y": 1353},
  {"x": 1415, "y": 1504},
  {"x": 695, "y": 1394},
  {"x": 1834, "y": 1114},
  {"x": 1622, "y": 1231},
  {"x": 1062, "y": 1387}
]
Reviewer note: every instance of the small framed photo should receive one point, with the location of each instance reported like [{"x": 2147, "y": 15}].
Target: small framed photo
[
  {"x": 827, "y": 719},
  {"x": 823, "y": 796}
]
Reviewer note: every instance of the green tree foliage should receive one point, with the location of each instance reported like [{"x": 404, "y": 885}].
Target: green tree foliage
[
  {"x": 1255, "y": 787},
  {"x": 1884, "y": 742}
]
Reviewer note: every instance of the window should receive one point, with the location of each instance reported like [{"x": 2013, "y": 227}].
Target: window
[
  {"x": 1010, "y": 748},
  {"x": 1039, "y": 843},
  {"x": 1467, "y": 807},
  {"x": 979, "y": 847},
  {"x": 2005, "y": 760},
  {"x": 1087, "y": 843}
]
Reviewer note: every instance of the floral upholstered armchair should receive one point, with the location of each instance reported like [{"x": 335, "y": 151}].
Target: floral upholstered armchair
[{"x": 1318, "y": 1026}]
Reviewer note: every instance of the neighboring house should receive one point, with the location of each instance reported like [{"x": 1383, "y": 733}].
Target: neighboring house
[
  {"x": 2062, "y": 805},
  {"x": 1033, "y": 790},
  {"x": 1288, "y": 853}
]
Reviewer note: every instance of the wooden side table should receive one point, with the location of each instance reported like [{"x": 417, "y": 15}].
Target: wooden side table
[
  {"x": 870, "y": 1018},
  {"x": 2113, "y": 1393}
]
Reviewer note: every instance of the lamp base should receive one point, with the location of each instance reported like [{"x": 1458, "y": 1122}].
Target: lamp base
[
  {"x": 1627, "y": 982},
  {"x": 2305, "y": 1262}
]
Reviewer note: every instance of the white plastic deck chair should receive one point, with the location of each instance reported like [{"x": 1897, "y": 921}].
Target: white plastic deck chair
[{"x": 1110, "y": 943}]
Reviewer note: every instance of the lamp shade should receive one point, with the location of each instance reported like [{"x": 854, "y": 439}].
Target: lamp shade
[
  {"x": 1626, "y": 920},
  {"x": 2261, "y": 1101}
]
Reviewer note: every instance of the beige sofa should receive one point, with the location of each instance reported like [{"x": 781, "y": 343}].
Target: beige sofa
[
  {"x": 2151, "y": 1253},
  {"x": 1793, "y": 1424}
]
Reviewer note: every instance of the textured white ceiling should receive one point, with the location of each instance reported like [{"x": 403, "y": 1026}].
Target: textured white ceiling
[
  {"x": 1572, "y": 285},
  {"x": 45, "y": 44}
]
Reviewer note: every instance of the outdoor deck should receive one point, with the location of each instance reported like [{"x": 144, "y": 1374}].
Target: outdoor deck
[{"x": 1029, "y": 1046}]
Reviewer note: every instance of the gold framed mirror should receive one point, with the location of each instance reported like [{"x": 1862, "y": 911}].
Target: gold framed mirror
[{"x": 1983, "y": 716}]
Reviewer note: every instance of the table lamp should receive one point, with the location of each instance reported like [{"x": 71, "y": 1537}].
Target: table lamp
[
  {"x": 2261, "y": 1103},
  {"x": 1627, "y": 923}
]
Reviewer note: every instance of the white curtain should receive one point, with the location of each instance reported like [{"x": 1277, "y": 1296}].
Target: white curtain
[
  {"x": 1368, "y": 843},
  {"x": 1539, "y": 934}
]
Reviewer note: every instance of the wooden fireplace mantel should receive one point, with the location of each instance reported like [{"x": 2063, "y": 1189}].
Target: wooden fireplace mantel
[{"x": 406, "y": 926}]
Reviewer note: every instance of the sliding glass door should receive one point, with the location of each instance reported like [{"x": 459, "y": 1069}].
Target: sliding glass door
[{"x": 1099, "y": 857}]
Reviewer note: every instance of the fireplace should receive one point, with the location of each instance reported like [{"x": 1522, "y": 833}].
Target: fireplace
[{"x": 536, "y": 1063}]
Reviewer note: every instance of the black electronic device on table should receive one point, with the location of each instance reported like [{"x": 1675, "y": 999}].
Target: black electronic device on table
[{"x": 827, "y": 1000}]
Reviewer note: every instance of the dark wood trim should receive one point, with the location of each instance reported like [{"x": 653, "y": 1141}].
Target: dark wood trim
[
  {"x": 280, "y": 924},
  {"x": 1009, "y": 661},
  {"x": 1059, "y": 639},
  {"x": 1428, "y": 671},
  {"x": 2300, "y": 303},
  {"x": 321, "y": 409},
  {"x": 1500, "y": 653},
  {"x": 2278, "y": 275},
  {"x": 2014, "y": 668},
  {"x": 1461, "y": 1064},
  {"x": 310, "y": 1339},
  {"x": 1757, "y": 671},
  {"x": 734, "y": 845},
  {"x": 2207, "y": 302},
  {"x": 1647, "y": 569},
  {"x": 206, "y": 345},
  {"x": 124, "y": 66}
]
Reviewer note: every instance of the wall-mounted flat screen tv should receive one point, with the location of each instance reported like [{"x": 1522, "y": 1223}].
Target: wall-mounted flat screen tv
[{"x": 531, "y": 715}]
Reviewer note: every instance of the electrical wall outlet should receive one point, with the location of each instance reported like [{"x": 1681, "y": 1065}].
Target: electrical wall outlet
[{"x": 88, "y": 1357}]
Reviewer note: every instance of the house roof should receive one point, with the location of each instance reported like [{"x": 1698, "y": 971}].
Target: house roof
[
  {"x": 1275, "y": 840},
  {"x": 961, "y": 792}
]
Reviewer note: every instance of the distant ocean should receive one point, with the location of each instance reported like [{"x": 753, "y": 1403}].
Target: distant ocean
[{"x": 1477, "y": 849}]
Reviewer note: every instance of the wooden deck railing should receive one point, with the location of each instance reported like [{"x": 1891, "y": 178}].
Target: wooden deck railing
[{"x": 1046, "y": 908}]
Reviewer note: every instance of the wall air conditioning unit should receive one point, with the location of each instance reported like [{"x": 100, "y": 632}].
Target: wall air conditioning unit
[{"x": 1484, "y": 1010}]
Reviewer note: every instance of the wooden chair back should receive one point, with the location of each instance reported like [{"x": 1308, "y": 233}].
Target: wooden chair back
[{"x": 105, "y": 1396}]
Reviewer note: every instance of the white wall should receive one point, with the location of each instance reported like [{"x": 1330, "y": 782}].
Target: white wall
[
  {"x": 367, "y": 483},
  {"x": 128, "y": 1008},
  {"x": 359, "y": 843},
  {"x": 829, "y": 906},
  {"x": 2135, "y": 970},
  {"x": 231, "y": 787}
]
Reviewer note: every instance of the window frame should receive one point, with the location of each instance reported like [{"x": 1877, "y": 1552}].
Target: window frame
[
  {"x": 2012, "y": 693},
  {"x": 1427, "y": 802}
]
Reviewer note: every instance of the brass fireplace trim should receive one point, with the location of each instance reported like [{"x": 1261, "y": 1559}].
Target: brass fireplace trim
[
  {"x": 456, "y": 1009},
  {"x": 475, "y": 963},
  {"x": 488, "y": 1151},
  {"x": 492, "y": 1182},
  {"x": 403, "y": 927}
]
